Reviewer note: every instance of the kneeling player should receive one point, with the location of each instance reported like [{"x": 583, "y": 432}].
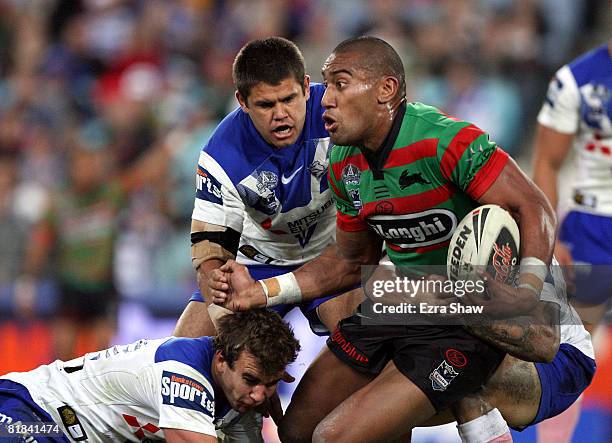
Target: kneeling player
[{"x": 177, "y": 389}]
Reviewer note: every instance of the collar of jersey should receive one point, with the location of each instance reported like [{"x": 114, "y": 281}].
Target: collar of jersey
[{"x": 377, "y": 159}]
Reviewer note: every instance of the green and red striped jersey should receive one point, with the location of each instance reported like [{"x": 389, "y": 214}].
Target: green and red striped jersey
[{"x": 412, "y": 192}]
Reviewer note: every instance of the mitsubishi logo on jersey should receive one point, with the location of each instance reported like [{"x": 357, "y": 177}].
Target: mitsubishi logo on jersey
[
  {"x": 304, "y": 227},
  {"x": 140, "y": 429}
]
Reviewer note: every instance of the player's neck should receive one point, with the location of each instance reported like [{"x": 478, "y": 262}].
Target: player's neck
[{"x": 381, "y": 128}]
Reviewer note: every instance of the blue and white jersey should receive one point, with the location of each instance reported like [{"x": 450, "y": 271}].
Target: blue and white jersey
[
  {"x": 579, "y": 101},
  {"x": 128, "y": 393},
  {"x": 278, "y": 199},
  {"x": 571, "y": 329}
]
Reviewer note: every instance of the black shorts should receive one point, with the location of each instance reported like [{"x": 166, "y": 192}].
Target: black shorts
[{"x": 445, "y": 362}]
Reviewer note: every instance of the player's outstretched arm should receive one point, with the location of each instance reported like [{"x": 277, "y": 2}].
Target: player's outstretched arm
[
  {"x": 337, "y": 269},
  {"x": 182, "y": 436}
]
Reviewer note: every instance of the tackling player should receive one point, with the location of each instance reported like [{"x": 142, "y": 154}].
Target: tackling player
[
  {"x": 577, "y": 112},
  {"x": 381, "y": 138},
  {"x": 262, "y": 191},
  {"x": 173, "y": 389}
]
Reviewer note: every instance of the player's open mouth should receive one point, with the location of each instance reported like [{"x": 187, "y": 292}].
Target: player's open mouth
[
  {"x": 283, "y": 131},
  {"x": 330, "y": 123}
]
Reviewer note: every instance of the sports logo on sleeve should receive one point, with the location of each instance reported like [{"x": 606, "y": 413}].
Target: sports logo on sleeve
[
  {"x": 185, "y": 392},
  {"x": 207, "y": 187},
  {"x": 552, "y": 94}
]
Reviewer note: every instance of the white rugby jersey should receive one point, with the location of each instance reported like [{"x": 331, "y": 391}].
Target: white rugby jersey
[
  {"x": 579, "y": 101},
  {"x": 278, "y": 199},
  {"x": 572, "y": 330},
  {"x": 128, "y": 393}
]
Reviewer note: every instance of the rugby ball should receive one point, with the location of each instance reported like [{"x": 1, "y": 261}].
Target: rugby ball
[{"x": 487, "y": 239}]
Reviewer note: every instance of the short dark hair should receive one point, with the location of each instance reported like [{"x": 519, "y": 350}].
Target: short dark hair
[
  {"x": 269, "y": 60},
  {"x": 261, "y": 332},
  {"x": 377, "y": 57}
]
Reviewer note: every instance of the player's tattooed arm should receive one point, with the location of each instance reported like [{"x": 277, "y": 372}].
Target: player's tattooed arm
[{"x": 531, "y": 338}]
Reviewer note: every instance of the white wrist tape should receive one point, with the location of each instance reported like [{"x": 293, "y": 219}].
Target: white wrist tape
[
  {"x": 281, "y": 290},
  {"x": 484, "y": 428},
  {"x": 533, "y": 272},
  {"x": 535, "y": 266}
]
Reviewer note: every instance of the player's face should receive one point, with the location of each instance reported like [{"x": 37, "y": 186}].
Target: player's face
[
  {"x": 278, "y": 112},
  {"x": 349, "y": 100},
  {"x": 244, "y": 385}
]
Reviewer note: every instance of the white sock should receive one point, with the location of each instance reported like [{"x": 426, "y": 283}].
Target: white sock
[{"x": 484, "y": 428}]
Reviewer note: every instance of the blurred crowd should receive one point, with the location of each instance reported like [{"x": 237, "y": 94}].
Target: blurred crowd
[{"x": 105, "y": 104}]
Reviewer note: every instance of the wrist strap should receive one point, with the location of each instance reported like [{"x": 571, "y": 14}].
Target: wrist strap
[
  {"x": 281, "y": 290},
  {"x": 533, "y": 272}
]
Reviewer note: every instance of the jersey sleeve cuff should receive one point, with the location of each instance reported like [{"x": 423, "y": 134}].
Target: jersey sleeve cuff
[
  {"x": 489, "y": 172},
  {"x": 349, "y": 223}
]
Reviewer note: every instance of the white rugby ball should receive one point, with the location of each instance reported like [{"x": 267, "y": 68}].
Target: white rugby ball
[{"x": 487, "y": 239}]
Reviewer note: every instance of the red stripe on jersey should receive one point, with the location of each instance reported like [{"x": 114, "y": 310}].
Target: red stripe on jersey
[
  {"x": 414, "y": 203},
  {"x": 348, "y": 223},
  {"x": 411, "y": 153},
  {"x": 487, "y": 174},
  {"x": 358, "y": 160},
  {"x": 420, "y": 250},
  {"x": 457, "y": 147},
  {"x": 335, "y": 189}
]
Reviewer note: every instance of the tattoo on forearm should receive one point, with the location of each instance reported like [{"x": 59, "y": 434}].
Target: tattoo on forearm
[{"x": 512, "y": 336}]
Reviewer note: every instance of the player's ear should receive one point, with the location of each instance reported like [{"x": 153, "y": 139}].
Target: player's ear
[
  {"x": 242, "y": 102},
  {"x": 220, "y": 361},
  {"x": 387, "y": 89},
  {"x": 307, "y": 86}
]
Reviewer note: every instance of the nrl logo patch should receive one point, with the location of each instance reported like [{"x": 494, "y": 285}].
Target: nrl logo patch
[
  {"x": 442, "y": 376},
  {"x": 351, "y": 175}
]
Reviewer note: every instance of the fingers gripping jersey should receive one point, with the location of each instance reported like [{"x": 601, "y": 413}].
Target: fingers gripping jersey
[
  {"x": 128, "y": 393},
  {"x": 278, "y": 199},
  {"x": 579, "y": 101},
  {"x": 424, "y": 180}
]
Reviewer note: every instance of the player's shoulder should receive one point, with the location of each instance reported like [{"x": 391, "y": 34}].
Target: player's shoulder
[
  {"x": 197, "y": 353},
  {"x": 423, "y": 121},
  {"x": 421, "y": 114},
  {"x": 591, "y": 64},
  {"x": 314, "y": 126},
  {"x": 236, "y": 146}
]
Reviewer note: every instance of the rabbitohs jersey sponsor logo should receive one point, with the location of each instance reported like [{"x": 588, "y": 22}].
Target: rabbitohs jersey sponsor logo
[{"x": 414, "y": 230}]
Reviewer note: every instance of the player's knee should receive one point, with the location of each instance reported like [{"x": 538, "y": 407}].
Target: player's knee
[{"x": 326, "y": 432}]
